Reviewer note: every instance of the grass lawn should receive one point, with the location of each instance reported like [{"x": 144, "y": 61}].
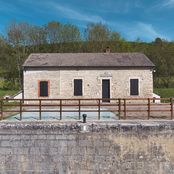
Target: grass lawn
[
  {"x": 164, "y": 92},
  {"x": 7, "y": 92}
]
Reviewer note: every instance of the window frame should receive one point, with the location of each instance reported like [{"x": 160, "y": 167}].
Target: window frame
[
  {"x": 138, "y": 90},
  {"x": 48, "y": 82},
  {"x": 81, "y": 87}
]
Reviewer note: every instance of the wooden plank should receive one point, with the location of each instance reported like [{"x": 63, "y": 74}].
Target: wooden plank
[
  {"x": 135, "y": 110},
  {"x": 171, "y": 103},
  {"x": 60, "y": 109},
  {"x": 125, "y": 115},
  {"x": 40, "y": 109},
  {"x": 119, "y": 108},
  {"x": 1, "y": 109},
  {"x": 99, "y": 109},
  {"x": 161, "y": 110},
  {"x": 79, "y": 109},
  {"x": 148, "y": 109},
  {"x": 20, "y": 110}
]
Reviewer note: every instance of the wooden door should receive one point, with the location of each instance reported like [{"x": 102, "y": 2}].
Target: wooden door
[{"x": 106, "y": 90}]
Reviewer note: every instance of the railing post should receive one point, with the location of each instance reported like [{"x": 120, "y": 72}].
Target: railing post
[
  {"x": 20, "y": 109},
  {"x": 171, "y": 103},
  {"x": 60, "y": 109},
  {"x": 153, "y": 99},
  {"x": 40, "y": 110},
  {"x": 125, "y": 115},
  {"x": 148, "y": 108},
  {"x": 79, "y": 109},
  {"x": 1, "y": 109},
  {"x": 99, "y": 109},
  {"x": 119, "y": 107}
]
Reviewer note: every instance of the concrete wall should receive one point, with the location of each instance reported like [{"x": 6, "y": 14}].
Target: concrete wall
[
  {"x": 92, "y": 148},
  {"x": 61, "y": 82}
]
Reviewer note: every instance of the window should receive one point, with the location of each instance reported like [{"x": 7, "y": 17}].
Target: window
[
  {"x": 43, "y": 89},
  {"x": 77, "y": 87},
  {"x": 134, "y": 87}
]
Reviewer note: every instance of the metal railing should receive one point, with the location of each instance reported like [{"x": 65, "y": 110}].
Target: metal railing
[{"x": 122, "y": 107}]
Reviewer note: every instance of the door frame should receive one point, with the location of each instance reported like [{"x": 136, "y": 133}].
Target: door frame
[{"x": 109, "y": 89}]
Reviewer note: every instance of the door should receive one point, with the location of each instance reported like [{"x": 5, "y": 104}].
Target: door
[{"x": 106, "y": 90}]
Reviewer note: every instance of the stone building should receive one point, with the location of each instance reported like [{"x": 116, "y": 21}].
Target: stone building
[{"x": 87, "y": 75}]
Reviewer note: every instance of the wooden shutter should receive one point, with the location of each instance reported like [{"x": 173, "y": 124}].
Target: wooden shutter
[
  {"x": 43, "y": 88},
  {"x": 134, "y": 86},
  {"x": 77, "y": 87}
]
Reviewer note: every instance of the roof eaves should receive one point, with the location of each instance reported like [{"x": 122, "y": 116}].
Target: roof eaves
[{"x": 86, "y": 67}]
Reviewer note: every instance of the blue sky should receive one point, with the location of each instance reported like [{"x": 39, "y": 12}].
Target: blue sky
[{"x": 144, "y": 19}]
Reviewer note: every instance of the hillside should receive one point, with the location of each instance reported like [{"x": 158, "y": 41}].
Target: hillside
[{"x": 22, "y": 39}]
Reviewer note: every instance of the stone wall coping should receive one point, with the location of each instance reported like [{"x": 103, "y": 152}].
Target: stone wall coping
[{"x": 74, "y": 126}]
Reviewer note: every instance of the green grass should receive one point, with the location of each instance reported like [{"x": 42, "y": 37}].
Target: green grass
[
  {"x": 7, "y": 92},
  {"x": 164, "y": 92}
]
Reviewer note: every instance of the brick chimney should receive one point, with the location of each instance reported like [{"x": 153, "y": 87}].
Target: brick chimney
[{"x": 107, "y": 50}]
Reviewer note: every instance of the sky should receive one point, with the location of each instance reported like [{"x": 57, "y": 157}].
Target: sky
[{"x": 133, "y": 19}]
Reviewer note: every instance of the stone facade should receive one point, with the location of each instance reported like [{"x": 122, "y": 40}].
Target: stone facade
[
  {"x": 94, "y": 148},
  {"x": 61, "y": 82}
]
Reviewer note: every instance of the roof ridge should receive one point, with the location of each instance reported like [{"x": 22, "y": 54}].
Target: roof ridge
[{"x": 92, "y": 53}]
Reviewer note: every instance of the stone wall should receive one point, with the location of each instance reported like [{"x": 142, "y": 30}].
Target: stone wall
[
  {"x": 61, "y": 82},
  {"x": 120, "y": 147}
]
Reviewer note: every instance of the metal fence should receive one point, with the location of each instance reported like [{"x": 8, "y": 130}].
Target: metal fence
[{"x": 122, "y": 107}]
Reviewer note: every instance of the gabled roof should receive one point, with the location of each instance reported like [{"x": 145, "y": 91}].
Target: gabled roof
[{"x": 73, "y": 60}]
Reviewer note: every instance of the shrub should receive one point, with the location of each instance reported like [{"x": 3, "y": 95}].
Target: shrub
[{"x": 9, "y": 85}]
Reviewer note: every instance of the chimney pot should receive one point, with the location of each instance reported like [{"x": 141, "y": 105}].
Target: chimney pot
[{"x": 107, "y": 50}]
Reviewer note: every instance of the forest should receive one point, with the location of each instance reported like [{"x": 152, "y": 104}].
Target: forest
[{"x": 21, "y": 39}]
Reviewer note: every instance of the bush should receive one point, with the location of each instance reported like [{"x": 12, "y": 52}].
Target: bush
[
  {"x": 9, "y": 85},
  {"x": 164, "y": 82}
]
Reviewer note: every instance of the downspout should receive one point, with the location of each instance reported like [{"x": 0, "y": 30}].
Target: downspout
[{"x": 23, "y": 69}]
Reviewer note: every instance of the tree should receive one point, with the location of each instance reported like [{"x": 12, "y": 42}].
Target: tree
[
  {"x": 158, "y": 41},
  {"x": 97, "y": 32},
  {"x": 37, "y": 35},
  {"x": 53, "y": 31},
  {"x": 22, "y": 39},
  {"x": 18, "y": 38},
  {"x": 70, "y": 33},
  {"x": 115, "y": 36}
]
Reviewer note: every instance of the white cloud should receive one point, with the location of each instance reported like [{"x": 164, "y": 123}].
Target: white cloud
[
  {"x": 164, "y": 4},
  {"x": 119, "y": 6},
  {"x": 132, "y": 31},
  {"x": 129, "y": 30},
  {"x": 77, "y": 15},
  {"x": 168, "y": 3},
  {"x": 145, "y": 31}
]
